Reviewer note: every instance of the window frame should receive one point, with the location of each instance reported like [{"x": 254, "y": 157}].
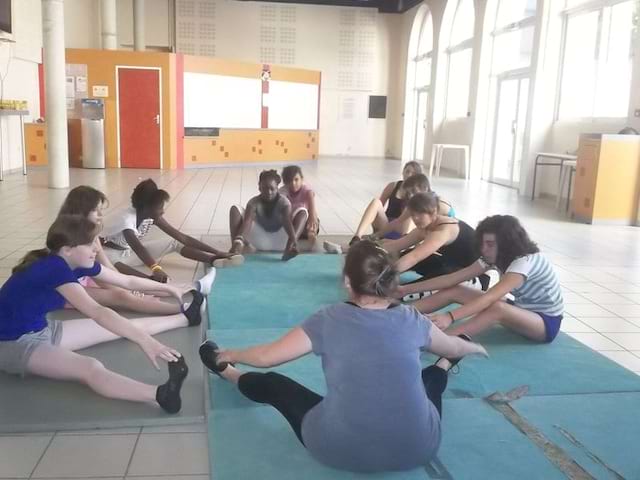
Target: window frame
[
  {"x": 452, "y": 49},
  {"x": 583, "y": 9}
]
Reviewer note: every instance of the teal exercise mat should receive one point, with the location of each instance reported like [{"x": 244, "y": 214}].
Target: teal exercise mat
[
  {"x": 563, "y": 367},
  {"x": 35, "y": 404},
  {"x": 267, "y": 292},
  {"x": 478, "y": 442},
  {"x": 600, "y": 431}
]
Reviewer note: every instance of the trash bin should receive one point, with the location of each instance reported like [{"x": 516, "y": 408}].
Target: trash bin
[{"x": 92, "y": 126}]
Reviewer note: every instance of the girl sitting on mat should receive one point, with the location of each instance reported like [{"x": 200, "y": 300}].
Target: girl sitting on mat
[
  {"x": 45, "y": 280},
  {"x": 438, "y": 245},
  {"x": 90, "y": 203},
  {"x": 125, "y": 229},
  {"x": 303, "y": 201},
  {"x": 394, "y": 196},
  {"x": 537, "y": 308},
  {"x": 382, "y": 410},
  {"x": 400, "y": 226},
  {"x": 266, "y": 223}
]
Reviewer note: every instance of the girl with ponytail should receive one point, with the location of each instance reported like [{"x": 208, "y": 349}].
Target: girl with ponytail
[
  {"x": 47, "y": 279},
  {"x": 370, "y": 348}
]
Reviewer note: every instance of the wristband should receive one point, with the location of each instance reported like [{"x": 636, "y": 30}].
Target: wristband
[
  {"x": 155, "y": 268},
  {"x": 451, "y": 315}
]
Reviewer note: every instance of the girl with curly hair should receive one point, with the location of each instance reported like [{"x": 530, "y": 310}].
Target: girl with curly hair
[{"x": 537, "y": 306}]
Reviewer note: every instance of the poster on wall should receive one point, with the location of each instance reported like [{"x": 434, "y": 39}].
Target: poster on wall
[
  {"x": 70, "y": 87},
  {"x": 81, "y": 85}
]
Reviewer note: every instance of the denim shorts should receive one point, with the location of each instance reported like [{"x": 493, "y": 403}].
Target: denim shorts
[{"x": 15, "y": 354}]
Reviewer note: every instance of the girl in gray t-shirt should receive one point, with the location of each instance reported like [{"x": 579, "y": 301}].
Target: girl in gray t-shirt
[
  {"x": 382, "y": 410},
  {"x": 266, "y": 224}
]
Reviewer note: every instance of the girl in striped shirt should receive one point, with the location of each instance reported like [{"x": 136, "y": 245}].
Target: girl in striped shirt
[{"x": 537, "y": 307}]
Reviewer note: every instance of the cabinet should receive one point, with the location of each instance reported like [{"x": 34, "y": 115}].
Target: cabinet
[{"x": 607, "y": 180}]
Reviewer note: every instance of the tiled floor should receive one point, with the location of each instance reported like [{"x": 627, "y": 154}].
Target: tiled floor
[{"x": 599, "y": 268}]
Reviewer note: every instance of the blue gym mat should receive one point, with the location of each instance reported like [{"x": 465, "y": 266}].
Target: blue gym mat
[{"x": 569, "y": 385}]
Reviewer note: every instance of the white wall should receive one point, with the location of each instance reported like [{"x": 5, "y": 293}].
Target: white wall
[
  {"x": 350, "y": 46},
  {"x": 81, "y": 23},
  {"x": 19, "y": 68}
]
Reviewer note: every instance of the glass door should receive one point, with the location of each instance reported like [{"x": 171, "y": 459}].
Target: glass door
[
  {"x": 422, "y": 99},
  {"x": 508, "y": 136}
]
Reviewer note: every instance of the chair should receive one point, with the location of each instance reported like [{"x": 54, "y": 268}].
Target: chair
[{"x": 437, "y": 151}]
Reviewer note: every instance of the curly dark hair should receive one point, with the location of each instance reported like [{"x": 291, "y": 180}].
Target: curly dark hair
[
  {"x": 511, "y": 238},
  {"x": 267, "y": 175},
  {"x": 147, "y": 194}
]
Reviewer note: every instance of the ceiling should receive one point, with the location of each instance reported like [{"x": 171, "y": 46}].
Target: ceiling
[{"x": 383, "y": 6}]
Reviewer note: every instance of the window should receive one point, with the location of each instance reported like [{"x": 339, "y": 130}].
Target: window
[
  {"x": 459, "y": 53},
  {"x": 424, "y": 53},
  {"x": 512, "y": 11},
  {"x": 597, "y": 62},
  {"x": 513, "y": 35}
]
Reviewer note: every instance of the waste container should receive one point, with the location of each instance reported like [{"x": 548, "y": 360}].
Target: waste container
[{"x": 92, "y": 126}]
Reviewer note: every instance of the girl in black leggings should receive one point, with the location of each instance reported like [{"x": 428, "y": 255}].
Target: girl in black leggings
[
  {"x": 438, "y": 245},
  {"x": 370, "y": 349}
]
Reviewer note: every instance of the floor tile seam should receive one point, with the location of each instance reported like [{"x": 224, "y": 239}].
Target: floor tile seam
[
  {"x": 44, "y": 452},
  {"x": 133, "y": 452}
]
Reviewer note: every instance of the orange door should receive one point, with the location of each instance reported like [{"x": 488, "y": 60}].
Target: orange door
[{"x": 139, "y": 109}]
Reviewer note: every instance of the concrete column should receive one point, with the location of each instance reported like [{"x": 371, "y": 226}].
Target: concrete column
[
  {"x": 55, "y": 77},
  {"x": 108, "y": 22},
  {"x": 138, "y": 25}
]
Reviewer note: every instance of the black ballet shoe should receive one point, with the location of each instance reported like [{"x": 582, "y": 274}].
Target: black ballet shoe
[
  {"x": 168, "y": 394},
  {"x": 194, "y": 311},
  {"x": 209, "y": 357},
  {"x": 452, "y": 361}
]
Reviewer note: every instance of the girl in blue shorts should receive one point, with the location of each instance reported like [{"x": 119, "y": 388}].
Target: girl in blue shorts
[{"x": 537, "y": 306}]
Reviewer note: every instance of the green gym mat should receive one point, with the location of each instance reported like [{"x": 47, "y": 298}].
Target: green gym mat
[{"x": 34, "y": 404}]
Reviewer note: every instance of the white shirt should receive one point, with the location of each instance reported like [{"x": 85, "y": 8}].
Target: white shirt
[{"x": 116, "y": 223}]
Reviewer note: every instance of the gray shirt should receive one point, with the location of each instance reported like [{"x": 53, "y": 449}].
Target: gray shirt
[
  {"x": 376, "y": 415},
  {"x": 270, "y": 217}
]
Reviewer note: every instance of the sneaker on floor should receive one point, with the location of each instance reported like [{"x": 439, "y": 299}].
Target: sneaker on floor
[
  {"x": 205, "y": 283},
  {"x": 331, "y": 247}
]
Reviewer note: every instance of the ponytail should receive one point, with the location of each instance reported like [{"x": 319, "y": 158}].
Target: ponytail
[
  {"x": 370, "y": 270},
  {"x": 30, "y": 258}
]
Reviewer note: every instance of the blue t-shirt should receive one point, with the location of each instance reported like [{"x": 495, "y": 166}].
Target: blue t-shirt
[
  {"x": 27, "y": 296},
  {"x": 376, "y": 415}
]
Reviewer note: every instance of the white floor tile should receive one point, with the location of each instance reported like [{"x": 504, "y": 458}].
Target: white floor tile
[
  {"x": 610, "y": 325},
  {"x": 573, "y": 325},
  {"x": 19, "y": 455},
  {"x": 596, "y": 341},
  {"x": 71, "y": 456},
  {"x": 629, "y": 341},
  {"x": 590, "y": 310}
]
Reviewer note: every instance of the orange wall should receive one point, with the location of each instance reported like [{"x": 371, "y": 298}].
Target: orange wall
[
  {"x": 250, "y": 145},
  {"x": 101, "y": 70}
]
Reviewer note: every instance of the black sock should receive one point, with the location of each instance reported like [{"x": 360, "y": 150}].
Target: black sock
[
  {"x": 193, "y": 311},
  {"x": 168, "y": 395}
]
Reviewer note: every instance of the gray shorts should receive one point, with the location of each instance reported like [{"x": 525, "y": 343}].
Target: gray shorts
[{"x": 15, "y": 354}]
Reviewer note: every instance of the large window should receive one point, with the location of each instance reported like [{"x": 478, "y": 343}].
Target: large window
[
  {"x": 459, "y": 52},
  {"x": 513, "y": 35},
  {"x": 424, "y": 54},
  {"x": 597, "y": 61}
]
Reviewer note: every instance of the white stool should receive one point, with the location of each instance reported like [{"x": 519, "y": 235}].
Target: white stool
[
  {"x": 566, "y": 172},
  {"x": 436, "y": 157}
]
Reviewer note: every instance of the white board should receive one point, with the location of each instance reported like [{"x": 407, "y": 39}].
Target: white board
[
  {"x": 222, "y": 101},
  {"x": 293, "y": 106}
]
